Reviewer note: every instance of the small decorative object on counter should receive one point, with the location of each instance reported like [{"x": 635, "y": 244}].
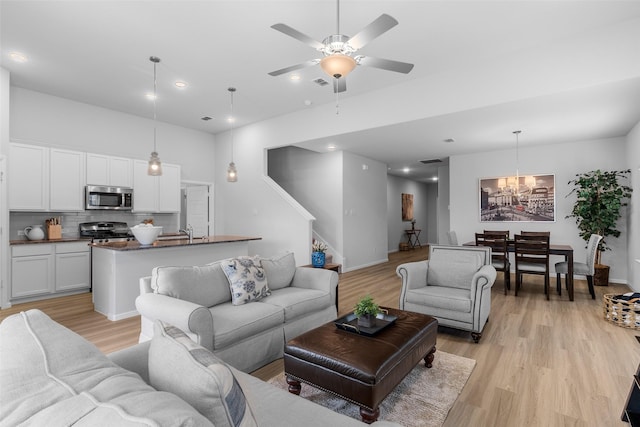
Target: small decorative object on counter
[
  {"x": 366, "y": 311},
  {"x": 34, "y": 232},
  {"x": 54, "y": 228},
  {"x": 318, "y": 255},
  {"x": 146, "y": 234}
]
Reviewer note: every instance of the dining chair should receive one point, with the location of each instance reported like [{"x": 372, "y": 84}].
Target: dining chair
[
  {"x": 453, "y": 238},
  {"x": 532, "y": 257},
  {"x": 502, "y": 232},
  {"x": 587, "y": 268},
  {"x": 499, "y": 255},
  {"x": 535, "y": 233}
]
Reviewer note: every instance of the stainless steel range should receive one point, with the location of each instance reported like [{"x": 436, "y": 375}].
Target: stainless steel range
[{"x": 106, "y": 231}]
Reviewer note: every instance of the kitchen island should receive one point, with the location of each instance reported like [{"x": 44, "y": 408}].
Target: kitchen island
[{"x": 116, "y": 267}]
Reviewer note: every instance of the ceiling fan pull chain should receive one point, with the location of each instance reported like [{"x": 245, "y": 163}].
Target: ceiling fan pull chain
[{"x": 337, "y": 101}]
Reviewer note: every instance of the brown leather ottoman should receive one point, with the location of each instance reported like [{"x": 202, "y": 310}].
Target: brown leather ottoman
[{"x": 361, "y": 369}]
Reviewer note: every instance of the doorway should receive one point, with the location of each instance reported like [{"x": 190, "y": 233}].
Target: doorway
[{"x": 196, "y": 209}]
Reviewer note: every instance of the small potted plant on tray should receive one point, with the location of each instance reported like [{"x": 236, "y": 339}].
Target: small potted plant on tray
[{"x": 366, "y": 311}]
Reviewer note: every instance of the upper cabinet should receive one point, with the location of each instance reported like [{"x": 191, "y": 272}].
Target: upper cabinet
[
  {"x": 109, "y": 170},
  {"x": 156, "y": 193},
  {"x": 67, "y": 180},
  {"x": 43, "y": 179},
  {"x": 28, "y": 177}
]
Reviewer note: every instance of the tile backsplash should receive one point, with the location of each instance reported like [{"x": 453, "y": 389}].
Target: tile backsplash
[{"x": 70, "y": 220}]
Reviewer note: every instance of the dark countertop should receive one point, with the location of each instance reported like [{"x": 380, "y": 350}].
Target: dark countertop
[
  {"x": 63, "y": 240},
  {"x": 173, "y": 243}
]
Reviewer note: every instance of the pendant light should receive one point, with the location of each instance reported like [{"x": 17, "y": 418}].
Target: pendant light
[
  {"x": 232, "y": 173},
  {"x": 155, "y": 166}
]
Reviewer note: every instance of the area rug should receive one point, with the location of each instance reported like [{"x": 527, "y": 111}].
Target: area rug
[{"x": 423, "y": 399}]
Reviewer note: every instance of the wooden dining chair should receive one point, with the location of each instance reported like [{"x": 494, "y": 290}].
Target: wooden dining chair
[
  {"x": 535, "y": 233},
  {"x": 532, "y": 257},
  {"x": 501, "y": 232},
  {"x": 499, "y": 254}
]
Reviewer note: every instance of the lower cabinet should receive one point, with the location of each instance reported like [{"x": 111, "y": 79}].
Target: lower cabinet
[{"x": 48, "y": 268}]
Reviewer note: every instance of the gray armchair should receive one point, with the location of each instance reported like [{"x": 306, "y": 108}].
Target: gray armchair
[{"x": 454, "y": 286}]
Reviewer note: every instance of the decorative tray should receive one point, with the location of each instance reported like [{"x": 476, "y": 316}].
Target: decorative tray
[{"x": 350, "y": 323}]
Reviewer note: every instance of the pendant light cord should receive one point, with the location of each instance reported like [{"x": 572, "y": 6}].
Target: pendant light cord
[
  {"x": 231, "y": 119},
  {"x": 155, "y": 97}
]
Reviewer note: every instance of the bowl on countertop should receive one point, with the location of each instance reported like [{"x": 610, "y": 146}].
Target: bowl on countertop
[{"x": 146, "y": 234}]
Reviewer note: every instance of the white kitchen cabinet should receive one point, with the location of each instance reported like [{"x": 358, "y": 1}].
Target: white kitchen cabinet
[
  {"x": 28, "y": 177},
  {"x": 41, "y": 269},
  {"x": 73, "y": 266},
  {"x": 156, "y": 193},
  {"x": 32, "y": 270},
  {"x": 67, "y": 180},
  {"x": 169, "y": 189},
  {"x": 109, "y": 170}
]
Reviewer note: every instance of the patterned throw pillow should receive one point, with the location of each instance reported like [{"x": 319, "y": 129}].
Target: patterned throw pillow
[
  {"x": 180, "y": 366},
  {"x": 247, "y": 279}
]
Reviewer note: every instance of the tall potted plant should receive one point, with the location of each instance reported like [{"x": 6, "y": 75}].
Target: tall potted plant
[{"x": 600, "y": 196}]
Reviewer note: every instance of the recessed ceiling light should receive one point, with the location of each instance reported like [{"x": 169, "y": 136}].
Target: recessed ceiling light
[
  {"x": 331, "y": 147},
  {"x": 406, "y": 170},
  {"x": 150, "y": 96},
  {"x": 181, "y": 84},
  {"x": 18, "y": 57},
  {"x": 231, "y": 119},
  {"x": 295, "y": 77},
  {"x": 435, "y": 178},
  {"x": 307, "y": 102}
]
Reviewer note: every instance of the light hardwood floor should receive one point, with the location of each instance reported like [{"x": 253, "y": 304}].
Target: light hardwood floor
[{"x": 539, "y": 363}]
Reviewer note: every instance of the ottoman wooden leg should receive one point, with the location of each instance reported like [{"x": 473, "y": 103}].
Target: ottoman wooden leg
[
  {"x": 369, "y": 416},
  {"x": 428, "y": 359},
  {"x": 294, "y": 386}
]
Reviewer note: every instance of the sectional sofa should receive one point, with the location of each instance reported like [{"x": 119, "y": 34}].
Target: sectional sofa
[{"x": 50, "y": 376}]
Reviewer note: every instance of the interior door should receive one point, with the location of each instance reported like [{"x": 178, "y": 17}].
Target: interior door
[{"x": 198, "y": 209}]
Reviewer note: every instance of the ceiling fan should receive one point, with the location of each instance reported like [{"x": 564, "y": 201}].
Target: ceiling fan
[{"x": 339, "y": 50}]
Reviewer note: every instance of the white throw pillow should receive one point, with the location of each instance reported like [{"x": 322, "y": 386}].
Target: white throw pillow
[
  {"x": 180, "y": 366},
  {"x": 247, "y": 279},
  {"x": 280, "y": 270}
]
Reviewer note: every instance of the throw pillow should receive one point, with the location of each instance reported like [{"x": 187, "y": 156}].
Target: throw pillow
[
  {"x": 247, "y": 279},
  {"x": 180, "y": 366},
  {"x": 280, "y": 270},
  {"x": 203, "y": 285}
]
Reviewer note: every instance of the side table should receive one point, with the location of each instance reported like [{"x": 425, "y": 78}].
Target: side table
[
  {"x": 333, "y": 267},
  {"x": 413, "y": 236}
]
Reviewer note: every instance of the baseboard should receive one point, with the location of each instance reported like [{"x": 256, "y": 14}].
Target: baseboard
[{"x": 358, "y": 267}]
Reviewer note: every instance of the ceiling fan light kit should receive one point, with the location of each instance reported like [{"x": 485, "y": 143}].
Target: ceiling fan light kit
[
  {"x": 337, "y": 65},
  {"x": 338, "y": 50}
]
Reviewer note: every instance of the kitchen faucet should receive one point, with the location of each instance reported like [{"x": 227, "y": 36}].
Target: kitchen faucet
[{"x": 188, "y": 232}]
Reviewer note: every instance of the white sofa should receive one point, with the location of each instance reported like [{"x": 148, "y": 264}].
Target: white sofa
[
  {"x": 454, "y": 286},
  {"x": 50, "y": 376},
  {"x": 198, "y": 301}
]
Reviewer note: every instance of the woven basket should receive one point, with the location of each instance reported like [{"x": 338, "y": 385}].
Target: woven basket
[{"x": 620, "y": 312}]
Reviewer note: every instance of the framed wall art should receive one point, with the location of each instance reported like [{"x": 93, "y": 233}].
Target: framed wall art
[
  {"x": 526, "y": 198},
  {"x": 407, "y": 207}
]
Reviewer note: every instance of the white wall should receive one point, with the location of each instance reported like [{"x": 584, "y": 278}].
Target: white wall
[
  {"x": 565, "y": 161},
  {"x": 315, "y": 181},
  {"x": 424, "y": 203},
  {"x": 633, "y": 159},
  {"x": 4, "y": 214},
  {"x": 365, "y": 211},
  {"x": 37, "y": 118}
]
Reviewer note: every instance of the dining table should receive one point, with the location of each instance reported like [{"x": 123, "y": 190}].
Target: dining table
[{"x": 554, "y": 249}]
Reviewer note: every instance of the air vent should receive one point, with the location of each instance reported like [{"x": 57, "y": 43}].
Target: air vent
[
  {"x": 320, "y": 81},
  {"x": 206, "y": 118},
  {"x": 426, "y": 162}
]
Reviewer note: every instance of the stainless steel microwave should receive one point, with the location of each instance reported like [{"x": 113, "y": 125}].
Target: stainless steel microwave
[{"x": 104, "y": 197}]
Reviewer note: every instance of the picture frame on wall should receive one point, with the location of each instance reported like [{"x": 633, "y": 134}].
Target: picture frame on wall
[
  {"x": 526, "y": 198},
  {"x": 407, "y": 207}
]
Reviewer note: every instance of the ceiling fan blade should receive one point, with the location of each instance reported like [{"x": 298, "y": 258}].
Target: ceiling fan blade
[
  {"x": 285, "y": 29},
  {"x": 294, "y": 67},
  {"x": 339, "y": 85},
  {"x": 381, "y": 25},
  {"x": 385, "y": 64}
]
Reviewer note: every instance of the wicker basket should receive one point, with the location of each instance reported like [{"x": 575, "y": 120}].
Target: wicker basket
[{"x": 622, "y": 313}]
